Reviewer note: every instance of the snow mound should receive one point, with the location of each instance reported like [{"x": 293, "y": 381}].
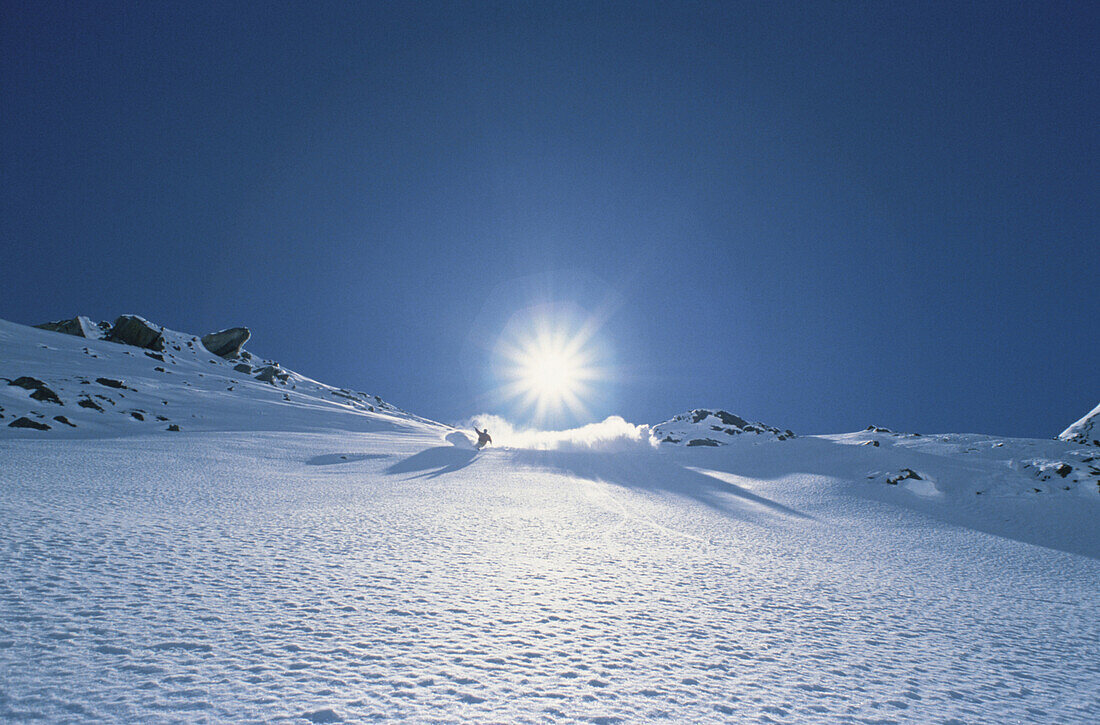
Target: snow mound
[
  {"x": 77, "y": 378},
  {"x": 1086, "y": 430},
  {"x": 712, "y": 428}
]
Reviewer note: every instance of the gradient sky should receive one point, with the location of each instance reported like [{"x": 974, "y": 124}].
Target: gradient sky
[{"x": 815, "y": 216}]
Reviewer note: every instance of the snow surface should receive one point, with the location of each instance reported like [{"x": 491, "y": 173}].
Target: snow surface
[{"x": 312, "y": 560}]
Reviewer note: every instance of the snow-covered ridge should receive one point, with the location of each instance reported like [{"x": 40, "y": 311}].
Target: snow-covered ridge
[
  {"x": 1086, "y": 430},
  {"x": 712, "y": 428},
  {"x": 81, "y": 378}
]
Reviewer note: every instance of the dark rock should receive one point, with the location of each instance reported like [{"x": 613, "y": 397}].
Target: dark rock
[
  {"x": 703, "y": 442},
  {"x": 63, "y": 419},
  {"x": 878, "y": 429},
  {"x": 111, "y": 383},
  {"x": 162, "y": 419},
  {"x": 226, "y": 343},
  {"x": 133, "y": 330},
  {"x": 903, "y": 475},
  {"x": 136, "y": 415},
  {"x": 243, "y": 368},
  {"x": 870, "y": 443},
  {"x": 1063, "y": 469},
  {"x": 271, "y": 374},
  {"x": 27, "y": 383},
  {"x": 175, "y": 428},
  {"x": 731, "y": 419},
  {"x": 79, "y": 326},
  {"x": 25, "y": 422},
  {"x": 89, "y": 403},
  {"x": 154, "y": 355},
  {"x": 46, "y": 395},
  {"x": 159, "y": 369},
  {"x": 41, "y": 392}
]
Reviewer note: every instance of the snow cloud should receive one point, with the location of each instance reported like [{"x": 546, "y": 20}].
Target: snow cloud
[{"x": 612, "y": 434}]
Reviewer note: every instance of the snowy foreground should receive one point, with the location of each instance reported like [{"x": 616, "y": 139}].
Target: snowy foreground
[{"x": 360, "y": 566}]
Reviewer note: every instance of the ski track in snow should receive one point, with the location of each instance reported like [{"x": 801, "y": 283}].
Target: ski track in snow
[{"x": 357, "y": 576}]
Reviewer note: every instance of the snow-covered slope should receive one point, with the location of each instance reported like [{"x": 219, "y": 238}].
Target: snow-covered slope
[
  {"x": 78, "y": 383},
  {"x": 293, "y": 555},
  {"x": 712, "y": 428},
  {"x": 1086, "y": 430}
]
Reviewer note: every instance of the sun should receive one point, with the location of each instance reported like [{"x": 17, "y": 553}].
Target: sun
[
  {"x": 551, "y": 374},
  {"x": 550, "y": 368}
]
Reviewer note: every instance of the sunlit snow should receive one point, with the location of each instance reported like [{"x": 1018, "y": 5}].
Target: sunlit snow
[{"x": 310, "y": 553}]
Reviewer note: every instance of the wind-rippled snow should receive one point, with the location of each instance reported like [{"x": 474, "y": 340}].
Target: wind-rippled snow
[{"x": 313, "y": 577}]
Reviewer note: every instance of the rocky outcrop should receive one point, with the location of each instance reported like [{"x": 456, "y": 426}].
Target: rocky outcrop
[
  {"x": 226, "y": 343},
  {"x": 137, "y": 331},
  {"x": 1086, "y": 430},
  {"x": 272, "y": 374},
  {"x": 79, "y": 326},
  {"x": 712, "y": 428}
]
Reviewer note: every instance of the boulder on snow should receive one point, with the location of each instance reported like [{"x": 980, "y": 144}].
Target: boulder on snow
[
  {"x": 136, "y": 331},
  {"x": 226, "y": 343},
  {"x": 80, "y": 326}
]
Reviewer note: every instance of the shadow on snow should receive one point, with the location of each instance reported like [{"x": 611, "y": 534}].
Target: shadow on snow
[
  {"x": 644, "y": 470},
  {"x": 435, "y": 461}
]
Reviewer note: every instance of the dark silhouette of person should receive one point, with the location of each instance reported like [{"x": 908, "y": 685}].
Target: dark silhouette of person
[{"x": 483, "y": 438}]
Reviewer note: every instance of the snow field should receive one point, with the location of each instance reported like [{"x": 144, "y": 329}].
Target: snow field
[{"x": 316, "y": 577}]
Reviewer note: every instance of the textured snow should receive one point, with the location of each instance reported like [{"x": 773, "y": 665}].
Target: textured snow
[{"x": 337, "y": 564}]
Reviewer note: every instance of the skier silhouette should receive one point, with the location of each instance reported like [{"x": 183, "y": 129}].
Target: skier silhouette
[{"x": 483, "y": 438}]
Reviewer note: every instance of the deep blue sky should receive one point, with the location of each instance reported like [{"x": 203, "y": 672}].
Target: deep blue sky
[{"x": 818, "y": 217}]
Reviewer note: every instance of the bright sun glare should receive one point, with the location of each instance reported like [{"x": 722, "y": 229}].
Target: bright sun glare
[{"x": 550, "y": 369}]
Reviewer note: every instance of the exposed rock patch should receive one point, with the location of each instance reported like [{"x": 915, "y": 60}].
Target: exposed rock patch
[
  {"x": 272, "y": 374},
  {"x": 40, "y": 391},
  {"x": 905, "y": 474},
  {"x": 226, "y": 343},
  {"x": 89, "y": 403},
  {"x": 25, "y": 422},
  {"x": 79, "y": 326},
  {"x": 137, "y": 331},
  {"x": 703, "y": 427}
]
